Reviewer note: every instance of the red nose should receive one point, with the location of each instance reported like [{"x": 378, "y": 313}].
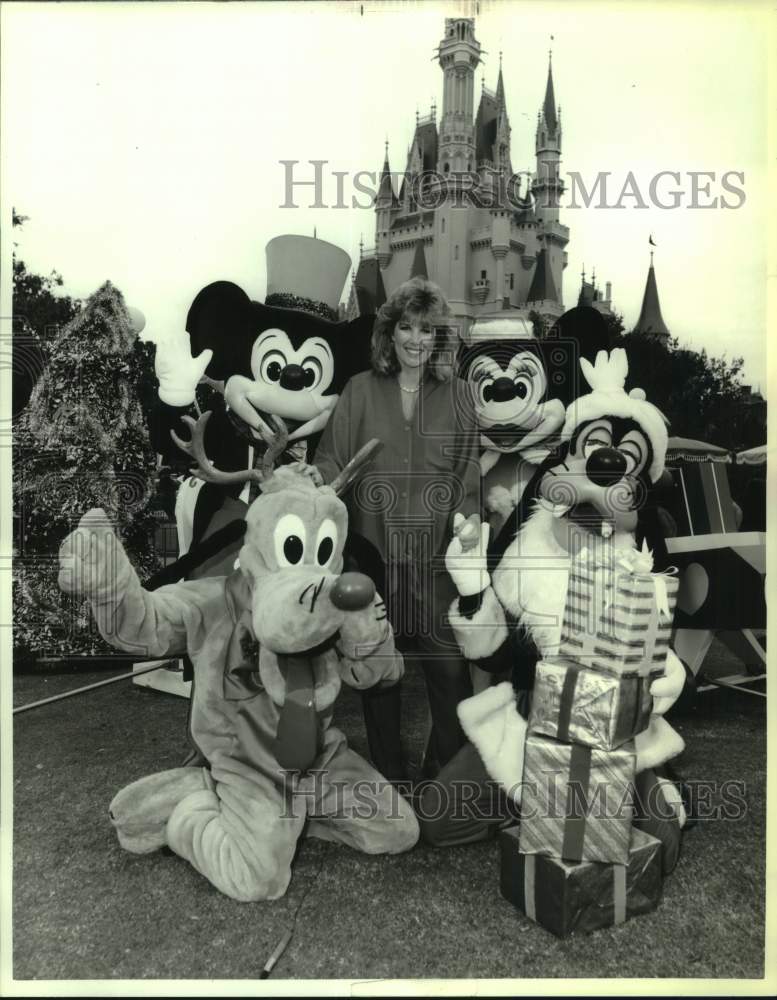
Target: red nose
[{"x": 352, "y": 592}]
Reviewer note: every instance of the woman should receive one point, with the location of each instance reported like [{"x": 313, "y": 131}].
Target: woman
[{"x": 401, "y": 509}]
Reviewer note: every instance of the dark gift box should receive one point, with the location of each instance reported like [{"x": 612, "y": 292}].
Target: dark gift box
[
  {"x": 577, "y": 802},
  {"x": 566, "y": 896},
  {"x": 578, "y": 704}
]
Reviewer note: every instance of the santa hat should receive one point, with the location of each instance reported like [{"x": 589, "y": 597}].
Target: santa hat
[{"x": 608, "y": 398}]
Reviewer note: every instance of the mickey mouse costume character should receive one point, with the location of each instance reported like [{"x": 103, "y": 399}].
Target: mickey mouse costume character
[
  {"x": 271, "y": 644},
  {"x": 613, "y": 449},
  {"x": 289, "y": 357}
]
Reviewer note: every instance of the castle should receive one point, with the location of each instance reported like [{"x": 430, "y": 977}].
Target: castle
[{"x": 492, "y": 241}]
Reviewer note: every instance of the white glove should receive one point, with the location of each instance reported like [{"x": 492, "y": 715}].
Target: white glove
[
  {"x": 468, "y": 569},
  {"x": 92, "y": 561},
  {"x": 178, "y": 372},
  {"x": 666, "y": 690}
]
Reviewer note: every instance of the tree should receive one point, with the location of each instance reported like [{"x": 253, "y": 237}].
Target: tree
[
  {"x": 82, "y": 442},
  {"x": 701, "y": 396}
]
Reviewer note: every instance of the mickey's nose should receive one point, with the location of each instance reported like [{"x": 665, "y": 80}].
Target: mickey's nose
[
  {"x": 605, "y": 466},
  {"x": 293, "y": 378},
  {"x": 502, "y": 390},
  {"x": 352, "y": 592}
]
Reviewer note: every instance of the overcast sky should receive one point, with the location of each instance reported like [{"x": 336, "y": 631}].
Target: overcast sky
[{"x": 144, "y": 140}]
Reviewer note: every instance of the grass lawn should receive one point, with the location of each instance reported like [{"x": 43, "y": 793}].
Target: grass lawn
[{"x": 85, "y": 909}]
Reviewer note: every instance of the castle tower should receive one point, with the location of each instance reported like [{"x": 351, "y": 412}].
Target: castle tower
[
  {"x": 459, "y": 57},
  {"x": 651, "y": 322},
  {"x": 458, "y": 212},
  {"x": 385, "y": 202},
  {"x": 548, "y": 185}
]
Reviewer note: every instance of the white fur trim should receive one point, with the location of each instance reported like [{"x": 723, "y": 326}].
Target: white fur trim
[
  {"x": 609, "y": 399},
  {"x": 491, "y": 722},
  {"x": 531, "y": 580},
  {"x": 483, "y": 633},
  {"x": 500, "y": 501},
  {"x": 657, "y": 744}
]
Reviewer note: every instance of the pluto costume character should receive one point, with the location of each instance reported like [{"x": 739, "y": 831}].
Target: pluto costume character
[
  {"x": 596, "y": 488},
  {"x": 271, "y": 644}
]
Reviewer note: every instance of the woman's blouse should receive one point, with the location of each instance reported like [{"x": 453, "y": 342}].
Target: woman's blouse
[{"x": 404, "y": 500}]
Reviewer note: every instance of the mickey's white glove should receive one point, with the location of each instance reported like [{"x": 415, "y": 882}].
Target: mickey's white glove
[
  {"x": 666, "y": 690},
  {"x": 468, "y": 566},
  {"x": 178, "y": 372}
]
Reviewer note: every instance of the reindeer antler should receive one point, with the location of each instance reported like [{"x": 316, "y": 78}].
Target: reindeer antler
[
  {"x": 346, "y": 476},
  {"x": 276, "y": 443}
]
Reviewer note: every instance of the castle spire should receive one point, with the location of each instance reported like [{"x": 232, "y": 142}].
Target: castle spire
[
  {"x": 386, "y": 188},
  {"x": 500, "y": 87},
  {"x": 549, "y": 105},
  {"x": 651, "y": 322}
]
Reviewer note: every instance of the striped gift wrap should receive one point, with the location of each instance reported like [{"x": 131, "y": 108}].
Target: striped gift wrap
[
  {"x": 612, "y": 620},
  {"x": 577, "y": 803},
  {"x": 566, "y": 896}
]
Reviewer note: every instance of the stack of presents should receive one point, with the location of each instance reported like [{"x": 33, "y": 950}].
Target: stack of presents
[{"x": 583, "y": 856}]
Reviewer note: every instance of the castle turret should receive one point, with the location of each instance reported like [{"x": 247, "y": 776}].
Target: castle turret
[
  {"x": 651, "y": 322},
  {"x": 459, "y": 56},
  {"x": 548, "y": 186},
  {"x": 385, "y": 203}
]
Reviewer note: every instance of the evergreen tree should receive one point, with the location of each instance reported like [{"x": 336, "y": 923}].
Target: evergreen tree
[{"x": 81, "y": 443}]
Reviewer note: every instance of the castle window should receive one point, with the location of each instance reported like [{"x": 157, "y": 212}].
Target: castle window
[
  {"x": 446, "y": 168},
  {"x": 456, "y": 252},
  {"x": 512, "y": 282},
  {"x": 442, "y": 226},
  {"x": 482, "y": 275}
]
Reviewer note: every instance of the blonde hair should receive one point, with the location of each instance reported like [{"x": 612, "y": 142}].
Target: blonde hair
[{"x": 416, "y": 298}]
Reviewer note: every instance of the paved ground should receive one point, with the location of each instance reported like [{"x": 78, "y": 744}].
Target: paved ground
[{"x": 84, "y": 909}]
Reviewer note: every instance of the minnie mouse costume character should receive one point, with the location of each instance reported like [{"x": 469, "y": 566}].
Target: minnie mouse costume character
[
  {"x": 521, "y": 388},
  {"x": 597, "y": 486},
  {"x": 289, "y": 357},
  {"x": 271, "y": 644}
]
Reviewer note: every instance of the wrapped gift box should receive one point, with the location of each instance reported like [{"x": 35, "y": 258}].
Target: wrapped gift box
[
  {"x": 657, "y": 813},
  {"x": 616, "y": 619},
  {"x": 577, "y": 704},
  {"x": 577, "y": 802},
  {"x": 564, "y": 896}
]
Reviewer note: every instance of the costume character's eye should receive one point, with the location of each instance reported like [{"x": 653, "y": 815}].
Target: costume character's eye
[
  {"x": 598, "y": 435},
  {"x": 523, "y": 386},
  {"x": 289, "y": 536},
  {"x": 486, "y": 390},
  {"x": 326, "y": 541},
  {"x": 314, "y": 372},
  {"x": 634, "y": 449},
  {"x": 271, "y": 366}
]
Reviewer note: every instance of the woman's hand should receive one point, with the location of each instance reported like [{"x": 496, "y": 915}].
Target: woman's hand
[
  {"x": 468, "y": 566},
  {"x": 308, "y": 470}
]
